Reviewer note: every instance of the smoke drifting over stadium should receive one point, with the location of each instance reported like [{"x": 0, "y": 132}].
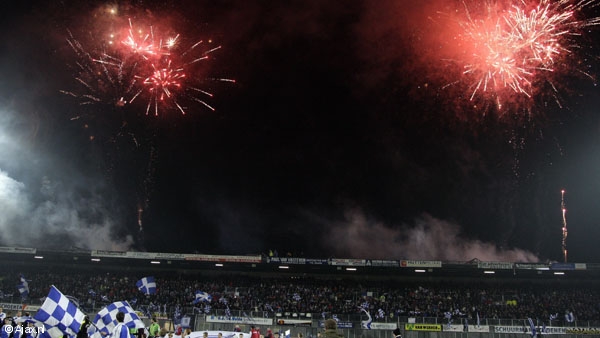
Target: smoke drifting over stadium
[
  {"x": 315, "y": 128},
  {"x": 428, "y": 238},
  {"x": 48, "y": 204}
]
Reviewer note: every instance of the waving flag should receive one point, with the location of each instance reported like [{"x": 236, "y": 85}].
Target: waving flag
[
  {"x": 23, "y": 287},
  {"x": 177, "y": 315},
  {"x": 147, "y": 285},
  {"x": 106, "y": 320},
  {"x": 365, "y": 324},
  {"x": 60, "y": 313},
  {"x": 202, "y": 296},
  {"x": 532, "y": 327},
  {"x": 569, "y": 317}
]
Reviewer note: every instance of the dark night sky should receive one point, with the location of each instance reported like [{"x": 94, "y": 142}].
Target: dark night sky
[{"x": 338, "y": 138}]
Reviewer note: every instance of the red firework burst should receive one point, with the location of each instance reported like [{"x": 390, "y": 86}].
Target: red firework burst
[
  {"x": 143, "y": 63},
  {"x": 507, "y": 48}
]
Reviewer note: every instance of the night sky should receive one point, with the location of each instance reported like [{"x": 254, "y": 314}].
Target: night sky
[{"x": 348, "y": 133}]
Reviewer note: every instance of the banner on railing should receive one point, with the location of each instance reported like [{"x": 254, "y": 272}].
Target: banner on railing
[
  {"x": 420, "y": 264},
  {"x": 495, "y": 265},
  {"x": 286, "y": 260},
  {"x": 223, "y": 258},
  {"x": 340, "y": 324},
  {"x": 382, "y": 326},
  {"x": 347, "y": 262},
  {"x": 527, "y": 329},
  {"x": 532, "y": 266},
  {"x": 301, "y": 322},
  {"x": 10, "y": 249},
  {"x": 583, "y": 330},
  {"x": 423, "y": 327},
  {"x": 11, "y": 306},
  {"x": 470, "y": 328},
  {"x": 382, "y": 263},
  {"x": 138, "y": 254},
  {"x": 238, "y": 320},
  {"x": 568, "y": 266}
]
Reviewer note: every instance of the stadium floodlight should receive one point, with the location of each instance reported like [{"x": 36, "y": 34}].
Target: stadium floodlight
[
  {"x": 559, "y": 272},
  {"x": 218, "y": 264},
  {"x": 38, "y": 257},
  {"x": 95, "y": 259},
  {"x": 350, "y": 269},
  {"x": 284, "y": 267},
  {"x": 154, "y": 262},
  {"x": 419, "y": 270},
  {"x": 489, "y": 272}
]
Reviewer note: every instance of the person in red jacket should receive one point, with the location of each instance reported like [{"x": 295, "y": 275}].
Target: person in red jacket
[{"x": 254, "y": 332}]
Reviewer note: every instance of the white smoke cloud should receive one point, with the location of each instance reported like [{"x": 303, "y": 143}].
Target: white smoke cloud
[
  {"x": 13, "y": 202},
  {"x": 44, "y": 205},
  {"x": 427, "y": 239}
]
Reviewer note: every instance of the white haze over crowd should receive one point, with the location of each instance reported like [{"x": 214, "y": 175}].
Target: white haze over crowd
[{"x": 46, "y": 203}]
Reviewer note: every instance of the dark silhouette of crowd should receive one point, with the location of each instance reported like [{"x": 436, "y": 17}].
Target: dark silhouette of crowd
[{"x": 386, "y": 299}]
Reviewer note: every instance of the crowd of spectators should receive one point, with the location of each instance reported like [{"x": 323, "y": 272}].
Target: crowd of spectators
[{"x": 271, "y": 294}]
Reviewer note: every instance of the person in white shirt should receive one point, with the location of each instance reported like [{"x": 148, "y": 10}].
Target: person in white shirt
[{"x": 121, "y": 330}]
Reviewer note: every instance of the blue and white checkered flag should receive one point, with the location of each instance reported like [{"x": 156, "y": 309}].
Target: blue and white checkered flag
[
  {"x": 147, "y": 285},
  {"x": 59, "y": 312},
  {"x": 106, "y": 319}
]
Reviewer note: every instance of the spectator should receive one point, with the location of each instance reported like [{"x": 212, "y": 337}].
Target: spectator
[
  {"x": 331, "y": 329},
  {"x": 120, "y": 330}
]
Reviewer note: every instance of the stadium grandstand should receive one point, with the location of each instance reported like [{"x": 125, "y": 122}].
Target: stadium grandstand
[{"x": 292, "y": 295}]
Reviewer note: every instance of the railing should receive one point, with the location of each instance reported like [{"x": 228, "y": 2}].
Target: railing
[{"x": 94, "y": 307}]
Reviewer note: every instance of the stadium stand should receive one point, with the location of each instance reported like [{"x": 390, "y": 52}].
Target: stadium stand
[{"x": 388, "y": 291}]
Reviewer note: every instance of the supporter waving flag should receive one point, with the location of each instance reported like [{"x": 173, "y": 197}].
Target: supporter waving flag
[
  {"x": 147, "y": 285},
  {"x": 59, "y": 314},
  {"x": 23, "y": 287},
  {"x": 106, "y": 320}
]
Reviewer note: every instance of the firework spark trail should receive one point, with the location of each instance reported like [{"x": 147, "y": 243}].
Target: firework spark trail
[
  {"x": 564, "y": 221},
  {"x": 510, "y": 50}
]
